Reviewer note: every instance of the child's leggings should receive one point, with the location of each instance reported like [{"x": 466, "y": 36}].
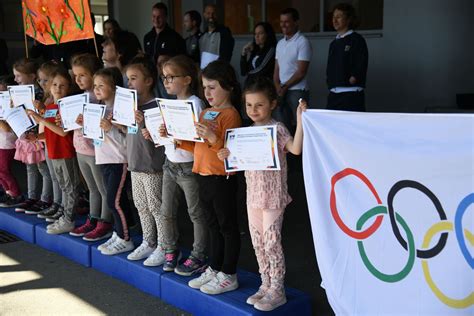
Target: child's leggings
[
  {"x": 146, "y": 191},
  {"x": 265, "y": 230}
]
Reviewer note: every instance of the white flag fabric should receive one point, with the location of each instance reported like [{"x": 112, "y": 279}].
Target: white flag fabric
[{"x": 391, "y": 202}]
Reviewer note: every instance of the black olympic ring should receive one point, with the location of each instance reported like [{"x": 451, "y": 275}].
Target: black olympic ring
[{"x": 424, "y": 254}]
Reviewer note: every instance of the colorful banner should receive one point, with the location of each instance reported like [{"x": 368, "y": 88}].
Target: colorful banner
[
  {"x": 391, "y": 202},
  {"x": 57, "y": 21}
]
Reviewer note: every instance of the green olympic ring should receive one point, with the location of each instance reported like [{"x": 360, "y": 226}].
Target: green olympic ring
[{"x": 411, "y": 247}]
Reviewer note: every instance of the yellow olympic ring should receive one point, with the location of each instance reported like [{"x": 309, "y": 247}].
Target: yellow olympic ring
[{"x": 455, "y": 303}]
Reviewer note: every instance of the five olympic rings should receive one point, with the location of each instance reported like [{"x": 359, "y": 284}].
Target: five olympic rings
[{"x": 379, "y": 211}]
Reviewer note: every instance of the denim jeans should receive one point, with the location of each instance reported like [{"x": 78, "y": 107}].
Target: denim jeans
[
  {"x": 287, "y": 105},
  {"x": 66, "y": 176},
  {"x": 33, "y": 172},
  {"x": 57, "y": 193},
  {"x": 179, "y": 176}
]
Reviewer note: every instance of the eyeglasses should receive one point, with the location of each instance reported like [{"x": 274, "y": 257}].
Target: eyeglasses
[{"x": 169, "y": 78}]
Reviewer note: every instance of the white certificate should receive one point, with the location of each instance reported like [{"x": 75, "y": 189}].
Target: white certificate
[
  {"x": 4, "y": 103},
  {"x": 92, "y": 115},
  {"x": 179, "y": 117},
  {"x": 252, "y": 148},
  {"x": 70, "y": 108},
  {"x": 24, "y": 94},
  {"x": 125, "y": 105},
  {"x": 18, "y": 120},
  {"x": 153, "y": 121},
  {"x": 207, "y": 58}
]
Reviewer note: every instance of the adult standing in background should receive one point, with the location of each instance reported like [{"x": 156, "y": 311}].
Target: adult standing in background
[
  {"x": 347, "y": 62},
  {"x": 216, "y": 42},
  {"x": 162, "y": 37},
  {"x": 192, "y": 25},
  {"x": 111, "y": 28},
  {"x": 293, "y": 54},
  {"x": 258, "y": 56}
]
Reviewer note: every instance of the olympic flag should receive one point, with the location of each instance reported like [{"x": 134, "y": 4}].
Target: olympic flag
[{"x": 391, "y": 201}]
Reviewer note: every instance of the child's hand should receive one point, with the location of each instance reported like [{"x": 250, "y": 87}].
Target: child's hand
[
  {"x": 4, "y": 125},
  {"x": 105, "y": 124},
  {"x": 57, "y": 120},
  {"x": 80, "y": 120},
  {"x": 39, "y": 105},
  {"x": 146, "y": 134},
  {"x": 163, "y": 132},
  {"x": 302, "y": 107},
  {"x": 35, "y": 116},
  {"x": 31, "y": 137},
  {"x": 139, "y": 116},
  {"x": 205, "y": 132},
  {"x": 223, "y": 154}
]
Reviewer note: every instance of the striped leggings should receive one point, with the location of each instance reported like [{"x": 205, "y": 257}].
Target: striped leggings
[{"x": 115, "y": 181}]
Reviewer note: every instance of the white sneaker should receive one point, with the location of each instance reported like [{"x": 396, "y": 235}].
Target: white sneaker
[
  {"x": 271, "y": 300},
  {"x": 205, "y": 277},
  {"x": 118, "y": 246},
  {"x": 108, "y": 242},
  {"x": 221, "y": 283},
  {"x": 62, "y": 225},
  {"x": 156, "y": 258},
  {"x": 142, "y": 252}
]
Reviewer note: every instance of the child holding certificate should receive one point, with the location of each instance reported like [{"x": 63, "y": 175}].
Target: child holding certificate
[
  {"x": 98, "y": 225},
  {"x": 111, "y": 156},
  {"x": 61, "y": 152},
  {"x": 145, "y": 162},
  {"x": 216, "y": 188},
  {"x": 45, "y": 73},
  {"x": 267, "y": 195},
  {"x": 31, "y": 151},
  {"x": 180, "y": 78}
]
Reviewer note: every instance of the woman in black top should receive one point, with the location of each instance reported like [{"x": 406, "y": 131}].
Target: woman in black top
[
  {"x": 258, "y": 56},
  {"x": 347, "y": 63}
]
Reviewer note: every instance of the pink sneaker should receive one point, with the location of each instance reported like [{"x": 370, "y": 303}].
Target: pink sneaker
[
  {"x": 84, "y": 229},
  {"x": 102, "y": 230}
]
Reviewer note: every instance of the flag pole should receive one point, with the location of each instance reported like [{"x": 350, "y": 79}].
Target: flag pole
[
  {"x": 95, "y": 45},
  {"x": 24, "y": 34}
]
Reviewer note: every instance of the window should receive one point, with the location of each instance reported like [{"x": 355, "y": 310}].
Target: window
[
  {"x": 99, "y": 23},
  {"x": 369, "y": 13},
  {"x": 315, "y": 16},
  {"x": 309, "y": 13}
]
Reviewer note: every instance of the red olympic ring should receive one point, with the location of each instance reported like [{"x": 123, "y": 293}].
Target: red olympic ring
[{"x": 335, "y": 214}]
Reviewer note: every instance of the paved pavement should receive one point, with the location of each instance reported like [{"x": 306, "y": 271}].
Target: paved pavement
[{"x": 34, "y": 281}]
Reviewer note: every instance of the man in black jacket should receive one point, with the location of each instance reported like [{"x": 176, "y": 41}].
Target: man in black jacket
[
  {"x": 216, "y": 42},
  {"x": 162, "y": 37},
  {"x": 192, "y": 25}
]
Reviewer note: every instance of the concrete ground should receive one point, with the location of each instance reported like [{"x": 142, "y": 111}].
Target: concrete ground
[
  {"x": 301, "y": 266},
  {"x": 34, "y": 281}
]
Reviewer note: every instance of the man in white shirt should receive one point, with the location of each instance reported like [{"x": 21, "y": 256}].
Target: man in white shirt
[{"x": 293, "y": 54}]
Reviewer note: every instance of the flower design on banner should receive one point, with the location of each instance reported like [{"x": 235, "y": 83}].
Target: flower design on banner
[{"x": 57, "y": 21}]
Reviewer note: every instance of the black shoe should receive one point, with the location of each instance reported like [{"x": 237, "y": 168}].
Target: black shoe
[
  {"x": 12, "y": 202},
  {"x": 50, "y": 211},
  {"x": 3, "y": 197},
  {"x": 55, "y": 216},
  {"x": 172, "y": 258},
  {"x": 26, "y": 205},
  {"x": 38, "y": 207}
]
